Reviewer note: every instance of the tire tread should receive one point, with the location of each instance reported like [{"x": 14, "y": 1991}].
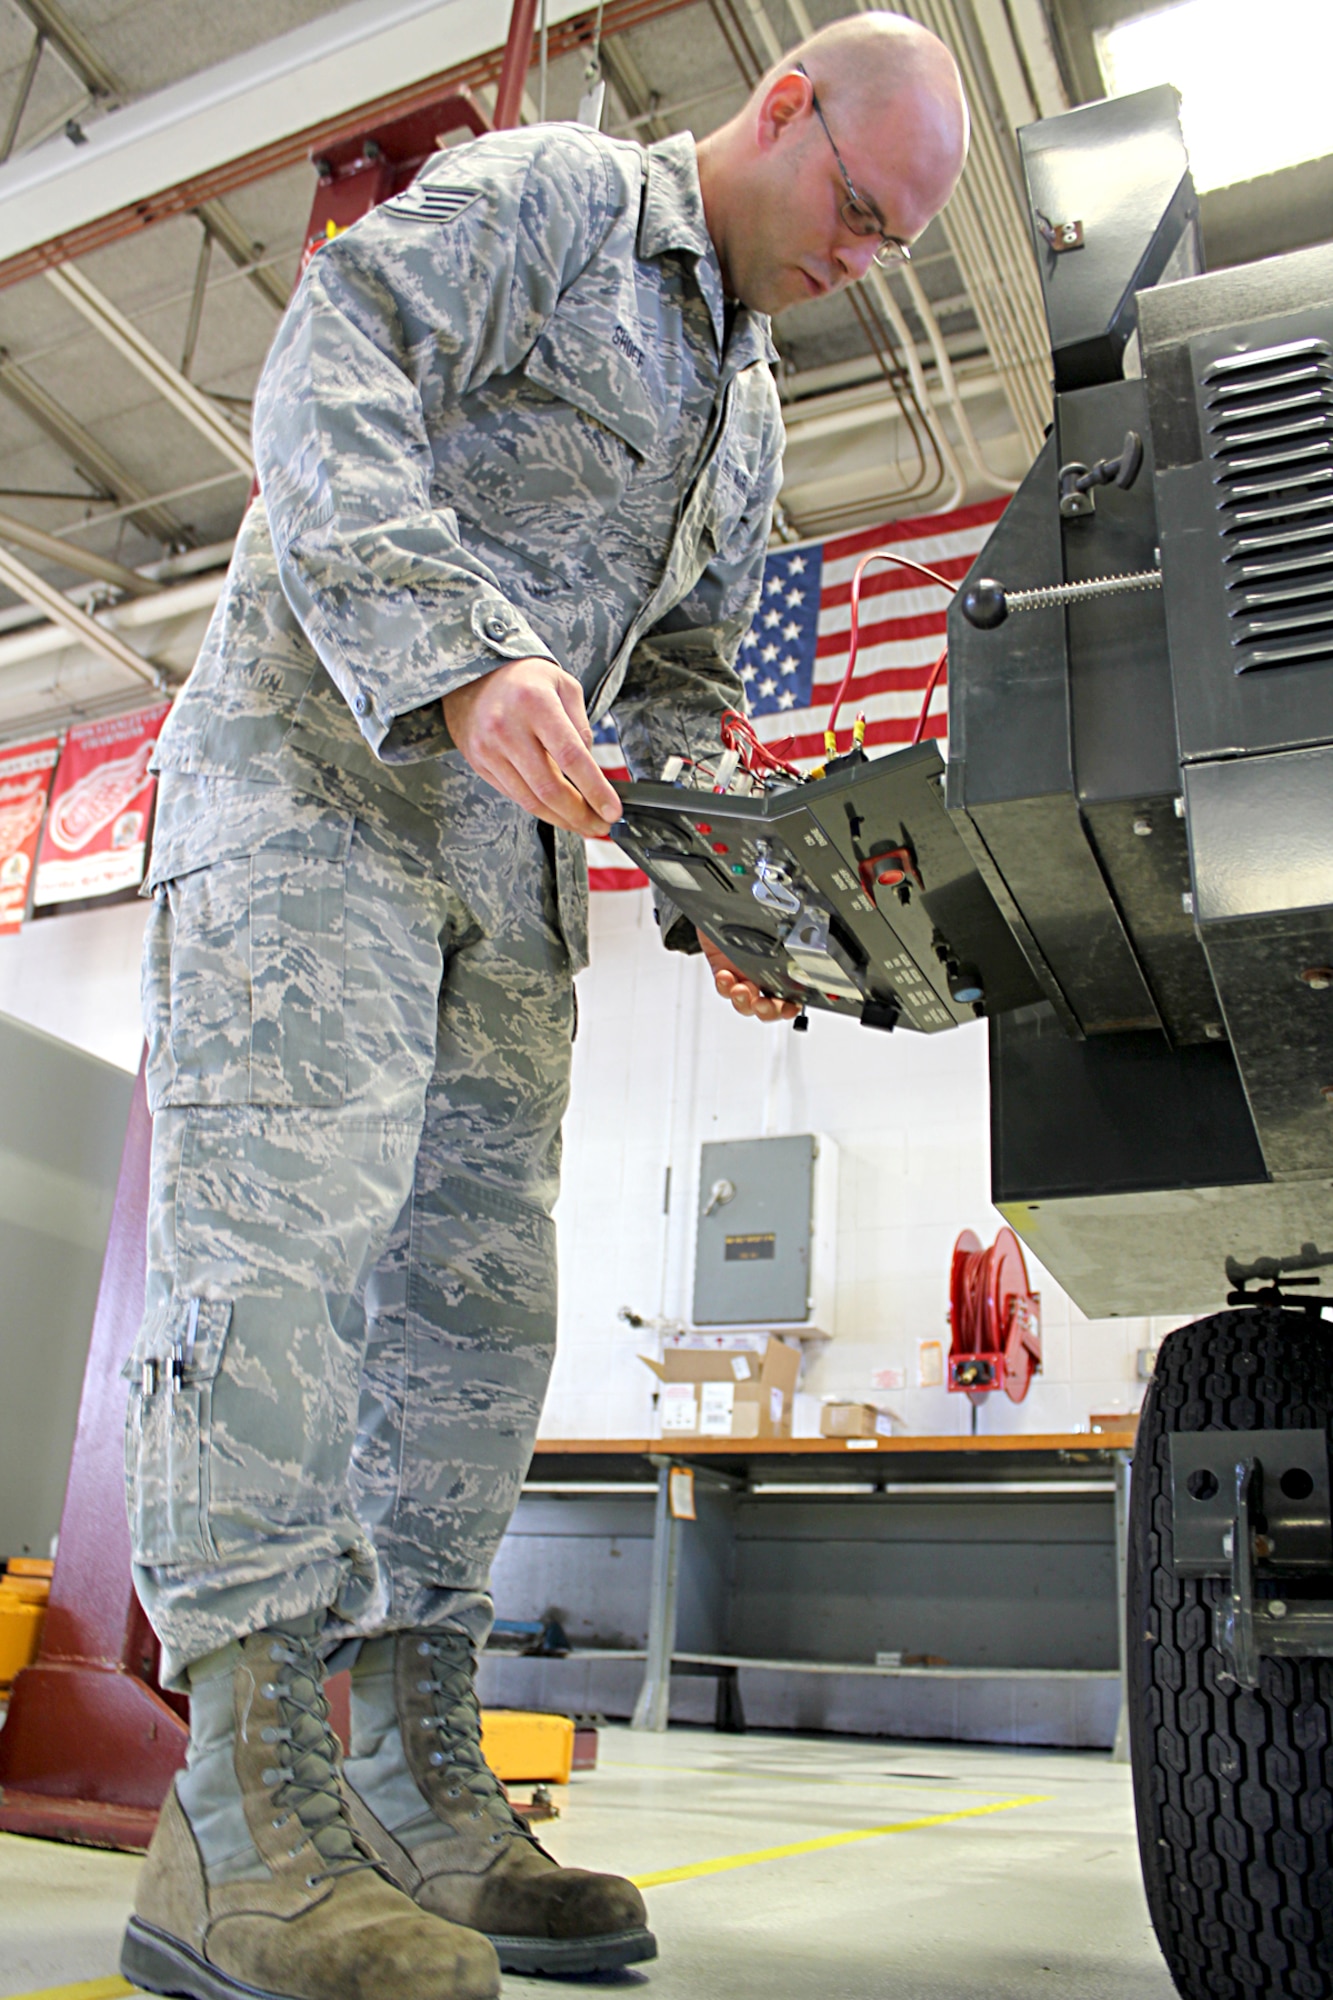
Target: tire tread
[{"x": 1233, "y": 1789}]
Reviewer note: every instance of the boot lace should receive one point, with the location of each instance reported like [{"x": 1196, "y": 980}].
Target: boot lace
[
  {"x": 305, "y": 1781},
  {"x": 448, "y": 1677}
]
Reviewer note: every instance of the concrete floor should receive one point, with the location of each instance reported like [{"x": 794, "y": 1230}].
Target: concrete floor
[{"x": 1028, "y": 1888}]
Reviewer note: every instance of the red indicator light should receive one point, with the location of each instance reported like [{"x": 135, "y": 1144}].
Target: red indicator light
[
  {"x": 720, "y": 847},
  {"x": 701, "y": 828}
]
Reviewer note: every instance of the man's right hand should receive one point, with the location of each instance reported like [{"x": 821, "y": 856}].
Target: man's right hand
[{"x": 524, "y": 729}]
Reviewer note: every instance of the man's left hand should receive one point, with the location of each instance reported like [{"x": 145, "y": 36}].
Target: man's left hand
[{"x": 740, "y": 989}]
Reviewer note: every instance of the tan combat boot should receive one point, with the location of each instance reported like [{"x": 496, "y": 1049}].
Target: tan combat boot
[
  {"x": 256, "y": 1886},
  {"x": 426, "y": 1802}
]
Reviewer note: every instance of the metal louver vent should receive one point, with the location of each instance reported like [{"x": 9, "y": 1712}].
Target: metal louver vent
[{"x": 1270, "y": 421}]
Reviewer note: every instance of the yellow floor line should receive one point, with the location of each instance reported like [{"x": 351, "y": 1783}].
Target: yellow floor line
[
  {"x": 695, "y": 1869},
  {"x": 83, "y": 1989},
  {"x": 116, "y": 1989}
]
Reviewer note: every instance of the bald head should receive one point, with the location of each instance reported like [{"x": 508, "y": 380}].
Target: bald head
[
  {"x": 875, "y": 71},
  {"x": 893, "y": 112}
]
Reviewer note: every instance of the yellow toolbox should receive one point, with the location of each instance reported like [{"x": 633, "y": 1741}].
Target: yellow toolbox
[
  {"x": 523, "y": 1748},
  {"x": 24, "y": 1589},
  {"x": 29, "y": 1577}
]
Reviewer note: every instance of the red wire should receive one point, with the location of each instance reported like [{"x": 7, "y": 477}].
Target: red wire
[
  {"x": 905, "y": 562},
  {"x": 931, "y": 686},
  {"x": 738, "y": 734}
]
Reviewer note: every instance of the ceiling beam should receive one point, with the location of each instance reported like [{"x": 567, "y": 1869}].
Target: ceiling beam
[
  {"x": 258, "y": 114},
  {"x": 627, "y": 80},
  {"x": 73, "y": 48},
  {"x": 191, "y": 403},
  {"x": 26, "y": 583},
  {"x": 56, "y": 31},
  {"x": 236, "y": 244},
  {"x": 39, "y": 543},
  {"x": 83, "y": 451}
]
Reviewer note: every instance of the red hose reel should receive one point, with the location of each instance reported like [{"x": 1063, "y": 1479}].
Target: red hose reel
[{"x": 996, "y": 1319}]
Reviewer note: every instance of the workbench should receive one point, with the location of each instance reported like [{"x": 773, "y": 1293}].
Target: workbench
[{"x": 781, "y": 1520}]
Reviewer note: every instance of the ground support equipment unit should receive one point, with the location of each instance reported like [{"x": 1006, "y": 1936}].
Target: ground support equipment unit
[{"x": 1129, "y": 870}]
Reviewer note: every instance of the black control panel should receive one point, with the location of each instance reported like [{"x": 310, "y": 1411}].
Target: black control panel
[{"x": 851, "y": 893}]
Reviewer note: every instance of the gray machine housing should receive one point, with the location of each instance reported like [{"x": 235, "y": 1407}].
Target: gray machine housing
[{"x": 1145, "y": 780}]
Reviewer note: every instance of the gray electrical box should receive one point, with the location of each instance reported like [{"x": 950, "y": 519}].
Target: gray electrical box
[{"x": 766, "y": 1221}]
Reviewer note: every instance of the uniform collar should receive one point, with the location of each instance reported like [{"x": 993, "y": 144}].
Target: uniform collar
[
  {"x": 673, "y": 207},
  {"x": 673, "y": 219}
]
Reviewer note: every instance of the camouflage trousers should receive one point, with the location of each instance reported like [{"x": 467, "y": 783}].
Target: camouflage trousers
[{"x": 358, "y": 1066}]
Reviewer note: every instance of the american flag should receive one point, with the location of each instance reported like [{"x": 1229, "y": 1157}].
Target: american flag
[{"x": 795, "y": 653}]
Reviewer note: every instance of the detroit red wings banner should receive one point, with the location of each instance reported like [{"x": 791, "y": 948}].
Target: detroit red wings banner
[
  {"x": 97, "y": 826},
  {"x": 25, "y": 780},
  {"x": 795, "y": 652}
]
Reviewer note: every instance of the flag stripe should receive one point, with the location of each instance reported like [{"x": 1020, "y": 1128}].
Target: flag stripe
[{"x": 795, "y": 654}]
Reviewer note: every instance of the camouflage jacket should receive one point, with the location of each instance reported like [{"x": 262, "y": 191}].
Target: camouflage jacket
[{"x": 509, "y": 412}]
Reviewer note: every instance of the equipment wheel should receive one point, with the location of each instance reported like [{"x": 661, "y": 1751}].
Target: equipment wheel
[{"x": 1233, "y": 1789}]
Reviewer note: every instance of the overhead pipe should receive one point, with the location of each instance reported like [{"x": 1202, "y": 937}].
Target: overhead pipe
[
  {"x": 948, "y": 381},
  {"x": 986, "y": 224},
  {"x": 892, "y": 312},
  {"x": 517, "y": 62}
]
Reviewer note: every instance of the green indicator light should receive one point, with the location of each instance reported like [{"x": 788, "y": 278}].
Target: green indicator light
[{"x": 738, "y": 867}]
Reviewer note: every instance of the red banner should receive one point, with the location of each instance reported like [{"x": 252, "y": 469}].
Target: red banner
[
  {"x": 97, "y": 826},
  {"x": 25, "y": 780}
]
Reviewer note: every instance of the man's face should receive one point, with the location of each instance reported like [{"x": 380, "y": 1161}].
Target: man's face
[{"x": 792, "y": 243}]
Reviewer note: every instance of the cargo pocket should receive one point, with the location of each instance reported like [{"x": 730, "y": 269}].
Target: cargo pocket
[
  {"x": 297, "y": 962},
  {"x": 171, "y": 1373},
  {"x": 253, "y": 970}
]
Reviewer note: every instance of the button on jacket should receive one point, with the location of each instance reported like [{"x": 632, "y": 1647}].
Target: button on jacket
[{"x": 509, "y": 413}]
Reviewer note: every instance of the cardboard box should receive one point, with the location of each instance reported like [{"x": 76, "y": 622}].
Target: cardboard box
[
  {"x": 854, "y": 1420},
  {"x": 722, "y": 1391}
]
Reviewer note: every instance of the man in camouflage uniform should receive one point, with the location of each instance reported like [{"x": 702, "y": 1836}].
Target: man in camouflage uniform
[{"x": 519, "y": 445}]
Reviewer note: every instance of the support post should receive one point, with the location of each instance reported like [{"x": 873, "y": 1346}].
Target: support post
[
  {"x": 1123, "y": 1474},
  {"x": 517, "y": 62},
  {"x": 91, "y": 1742},
  {"x": 654, "y": 1702}
]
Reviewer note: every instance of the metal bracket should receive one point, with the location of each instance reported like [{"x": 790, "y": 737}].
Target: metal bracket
[
  {"x": 1253, "y": 1506},
  {"x": 1279, "y": 1284}
]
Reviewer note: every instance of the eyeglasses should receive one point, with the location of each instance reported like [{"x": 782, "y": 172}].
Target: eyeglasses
[{"x": 860, "y": 215}]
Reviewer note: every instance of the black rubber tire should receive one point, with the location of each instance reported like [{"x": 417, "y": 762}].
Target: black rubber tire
[{"x": 1233, "y": 1790}]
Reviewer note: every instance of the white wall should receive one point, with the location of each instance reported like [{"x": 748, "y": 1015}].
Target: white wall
[
  {"x": 662, "y": 1065},
  {"x": 77, "y": 977}
]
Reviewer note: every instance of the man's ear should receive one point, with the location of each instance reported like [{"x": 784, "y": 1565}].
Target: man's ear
[{"x": 784, "y": 104}]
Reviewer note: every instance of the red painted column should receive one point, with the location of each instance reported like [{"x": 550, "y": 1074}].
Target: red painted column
[
  {"x": 91, "y": 1742},
  {"x": 517, "y": 62}
]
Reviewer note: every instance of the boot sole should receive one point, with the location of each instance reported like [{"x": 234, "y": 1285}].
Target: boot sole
[
  {"x": 162, "y": 1964},
  {"x": 567, "y": 1957}
]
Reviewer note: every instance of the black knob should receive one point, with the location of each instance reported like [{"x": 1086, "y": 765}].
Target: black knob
[{"x": 984, "y": 604}]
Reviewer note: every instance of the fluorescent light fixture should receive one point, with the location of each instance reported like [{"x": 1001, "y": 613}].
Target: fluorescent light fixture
[{"x": 1253, "y": 77}]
